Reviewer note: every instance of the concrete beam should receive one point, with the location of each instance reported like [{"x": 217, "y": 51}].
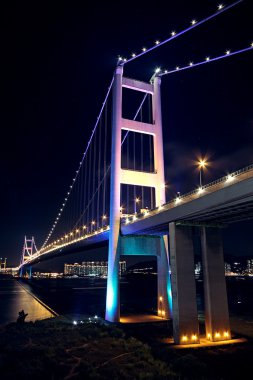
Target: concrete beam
[
  {"x": 137, "y": 126},
  {"x": 137, "y": 85},
  {"x": 140, "y": 245},
  {"x": 133, "y": 177}
]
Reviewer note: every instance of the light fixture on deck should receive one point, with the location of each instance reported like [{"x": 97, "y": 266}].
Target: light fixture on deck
[{"x": 229, "y": 178}]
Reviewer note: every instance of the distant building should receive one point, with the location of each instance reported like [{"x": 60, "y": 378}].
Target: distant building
[
  {"x": 249, "y": 268},
  {"x": 47, "y": 275},
  {"x": 227, "y": 269},
  {"x": 3, "y": 263},
  {"x": 91, "y": 268},
  {"x": 198, "y": 270}
]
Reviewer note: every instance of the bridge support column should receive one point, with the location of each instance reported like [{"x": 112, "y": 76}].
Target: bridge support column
[
  {"x": 113, "y": 294},
  {"x": 184, "y": 303},
  {"x": 216, "y": 304},
  {"x": 163, "y": 281},
  {"x": 30, "y": 272}
]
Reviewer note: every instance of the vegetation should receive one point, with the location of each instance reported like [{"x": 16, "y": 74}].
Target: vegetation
[
  {"x": 57, "y": 349},
  {"x": 52, "y": 349}
]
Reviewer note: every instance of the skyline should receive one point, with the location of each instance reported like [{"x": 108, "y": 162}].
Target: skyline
[{"x": 50, "y": 94}]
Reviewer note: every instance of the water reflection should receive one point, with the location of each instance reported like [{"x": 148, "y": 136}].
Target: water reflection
[{"x": 14, "y": 298}]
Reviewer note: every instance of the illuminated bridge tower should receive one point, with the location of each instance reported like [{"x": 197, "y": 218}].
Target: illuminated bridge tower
[
  {"x": 135, "y": 245},
  {"x": 29, "y": 249}
]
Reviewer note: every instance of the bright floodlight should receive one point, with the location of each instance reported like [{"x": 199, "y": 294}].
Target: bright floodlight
[
  {"x": 157, "y": 70},
  {"x": 202, "y": 163},
  {"x": 193, "y": 22},
  {"x": 173, "y": 33},
  {"x": 220, "y": 6}
]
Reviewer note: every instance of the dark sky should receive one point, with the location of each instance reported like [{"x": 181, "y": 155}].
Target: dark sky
[{"x": 58, "y": 60}]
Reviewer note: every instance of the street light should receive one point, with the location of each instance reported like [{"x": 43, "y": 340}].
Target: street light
[
  {"x": 137, "y": 200},
  {"x": 202, "y": 164}
]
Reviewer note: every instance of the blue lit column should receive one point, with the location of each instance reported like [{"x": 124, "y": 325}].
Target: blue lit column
[
  {"x": 164, "y": 296},
  {"x": 112, "y": 295}
]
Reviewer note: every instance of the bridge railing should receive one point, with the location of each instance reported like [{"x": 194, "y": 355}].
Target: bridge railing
[{"x": 225, "y": 180}]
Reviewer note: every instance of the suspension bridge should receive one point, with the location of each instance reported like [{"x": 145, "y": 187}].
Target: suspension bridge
[{"x": 117, "y": 197}]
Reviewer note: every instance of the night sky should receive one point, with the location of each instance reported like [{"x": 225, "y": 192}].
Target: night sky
[{"x": 59, "y": 58}]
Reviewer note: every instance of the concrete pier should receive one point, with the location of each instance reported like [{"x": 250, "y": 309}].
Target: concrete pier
[
  {"x": 216, "y": 304},
  {"x": 184, "y": 304},
  {"x": 113, "y": 295}
]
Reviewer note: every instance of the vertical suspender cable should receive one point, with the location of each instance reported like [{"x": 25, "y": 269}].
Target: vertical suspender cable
[
  {"x": 99, "y": 163},
  {"x": 105, "y": 152}
]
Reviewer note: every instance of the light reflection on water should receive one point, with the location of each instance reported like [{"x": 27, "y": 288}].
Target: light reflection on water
[{"x": 14, "y": 298}]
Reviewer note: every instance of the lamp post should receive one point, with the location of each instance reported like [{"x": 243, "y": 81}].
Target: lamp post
[
  {"x": 202, "y": 164},
  {"x": 137, "y": 200}
]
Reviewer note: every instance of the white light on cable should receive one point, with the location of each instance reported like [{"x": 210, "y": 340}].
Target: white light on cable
[
  {"x": 157, "y": 42},
  {"x": 227, "y": 52},
  {"x": 173, "y": 33},
  {"x": 157, "y": 70},
  {"x": 144, "y": 49},
  {"x": 191, "y": 64},
  {"x": 220, "y": 6},
  {"x": 207, "y": 58},
  {"x": 193, "y": 22}
]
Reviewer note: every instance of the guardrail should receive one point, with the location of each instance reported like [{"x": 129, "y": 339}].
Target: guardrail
[{"x": 201, "y": 191}]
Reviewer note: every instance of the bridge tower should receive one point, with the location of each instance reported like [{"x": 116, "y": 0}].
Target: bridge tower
[
  {"x": 29, "y": 248},
  {"x": 130, "y": 177}
]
